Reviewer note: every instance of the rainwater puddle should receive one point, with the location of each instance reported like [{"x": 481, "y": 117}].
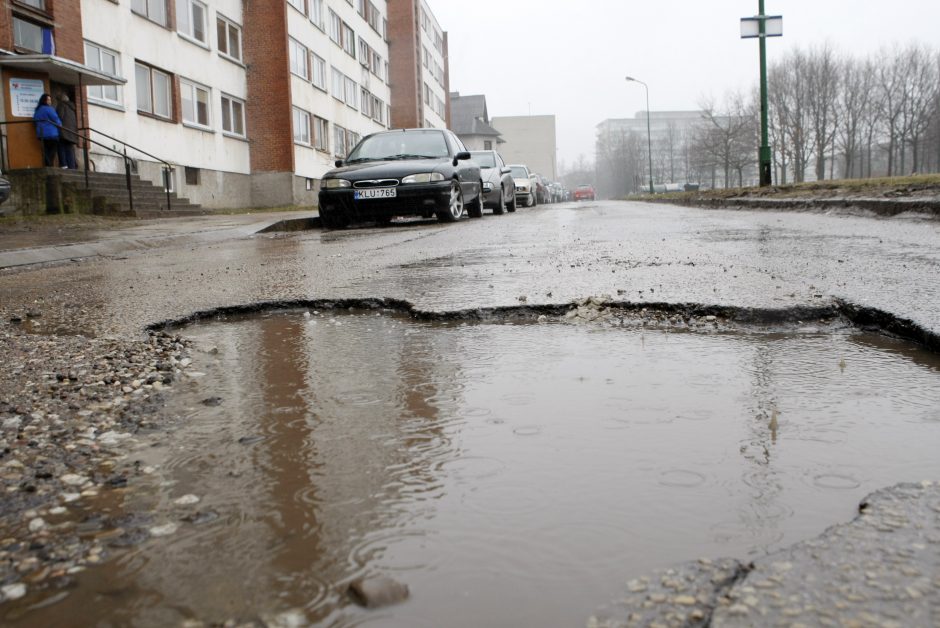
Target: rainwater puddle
[{"x": 508, "y": 474}]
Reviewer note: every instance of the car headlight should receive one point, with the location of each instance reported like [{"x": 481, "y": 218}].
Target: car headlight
[
  {"x": 423, "y": 177},
  {"x": 332, "y": 184},
  {"x": 487, "y": 187},
  {"x": 522, "y": 187}
]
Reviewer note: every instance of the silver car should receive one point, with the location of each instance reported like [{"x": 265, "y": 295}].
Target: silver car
[
  {"x": 499, "y": 189},
  {"x": 525, "y": 186}
]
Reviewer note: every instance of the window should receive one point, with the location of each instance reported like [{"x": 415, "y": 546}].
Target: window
[
  {"x": 318, "y": 67},
  {"x": 27, "y": 35},
  {"x": 191, "y": 175},
  {"x": 105, "y": 61},
  {"x": 321, "y": 134},
  {"x": 33, "y": 3},
  {"x": 153, "y": 10},
  {"x": 338, "y": 85},
  {"x": 233, "y": 116},
  {"x": 366, "y": 100},
  {"x": 230, "y": 38},
  {"x": 349, "y": 40},
  {"x": 316, "y": 13},
  {"x": 336, "y": 28},
  {"x": 191, "y": 19},
  {"x": 301, "y": 121},
  {"x": 299, "y": 5},
  {"x": 352, "y": 139},
  {"x": 351, "y": 93},
  {"x": 195, "y": 101},
  {"x": 339, "y": 141},
  {"x": 298, "y": 58},
  {"x": 153, "y": 91},
  {"x": 365, "y": 52},
  {"x": 487, "y": 145}
]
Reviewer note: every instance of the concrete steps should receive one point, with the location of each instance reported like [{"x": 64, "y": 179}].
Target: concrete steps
[{"x": 107, "y": 194}]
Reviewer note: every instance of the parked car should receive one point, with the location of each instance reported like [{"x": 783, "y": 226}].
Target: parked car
[
  {"x": 5, "y": 188},
  {"x": 525, "y": 187},
  {"x": 406, "y": 172},
  {"x": 499, "y": 188},
  {"x": 584, "y": 192},
  {"x": 541, "y": 186}
]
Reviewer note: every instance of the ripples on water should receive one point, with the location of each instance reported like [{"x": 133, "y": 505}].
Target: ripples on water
[{"x": 508, "y": 474}]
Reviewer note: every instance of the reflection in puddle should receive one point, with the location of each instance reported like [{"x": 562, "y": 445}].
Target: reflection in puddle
[{"x": 507, "y": 474}]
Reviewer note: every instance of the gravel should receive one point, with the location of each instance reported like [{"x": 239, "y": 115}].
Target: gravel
[{"x": 70, "y": 407}]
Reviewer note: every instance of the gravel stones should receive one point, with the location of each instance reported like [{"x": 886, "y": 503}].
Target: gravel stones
[{"x": 66, "y": 418}]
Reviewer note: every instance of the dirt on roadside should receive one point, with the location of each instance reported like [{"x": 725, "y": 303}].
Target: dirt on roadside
[{"x": 885, "y": 196}]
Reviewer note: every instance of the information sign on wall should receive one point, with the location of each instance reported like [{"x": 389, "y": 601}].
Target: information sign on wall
[{"x": 24, "y": 95}]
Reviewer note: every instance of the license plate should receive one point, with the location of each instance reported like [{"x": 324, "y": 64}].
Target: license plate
[{"x": 376, "y": 193}]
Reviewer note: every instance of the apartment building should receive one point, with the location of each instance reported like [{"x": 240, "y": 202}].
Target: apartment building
[
  {"x": 250, "y": 101},
  {"x": 529, "y": 140},
  {"x": 419, "y": 67}
]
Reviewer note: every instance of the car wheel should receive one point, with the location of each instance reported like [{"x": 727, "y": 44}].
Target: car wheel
[
  {"x": 501, "y": 206},
  {"x": 475, "y": 209},
  {"x": 511, "y": 206},
  {"x": 454, "y": 211}
]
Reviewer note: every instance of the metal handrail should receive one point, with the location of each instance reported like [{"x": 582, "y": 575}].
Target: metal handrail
[{"x": 167, "y": 166}]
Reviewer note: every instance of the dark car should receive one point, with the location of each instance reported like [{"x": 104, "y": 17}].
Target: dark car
[
  {"x": 407, "y": 172},
  {"x": 499, "y": 189},
  {"x": 4, "y": 189},
  {"x": 584, "y": 192}
]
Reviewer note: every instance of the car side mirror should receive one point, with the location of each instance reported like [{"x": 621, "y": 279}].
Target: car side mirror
[
  {"x": 338, "y": 163},
  {"x": 462, "y": 155},
  {"x": 505, "y": 171}
]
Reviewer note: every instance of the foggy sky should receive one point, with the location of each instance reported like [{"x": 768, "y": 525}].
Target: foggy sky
[{"x": 570, "y": 58}]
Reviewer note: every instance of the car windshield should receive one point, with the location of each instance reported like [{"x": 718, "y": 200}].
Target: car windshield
[
  {"x": 401, "y": 145},
  {"x": 519, "y": 172},
  {"x": 584, "y": 187},
  {"x": 484, "y": 159}
]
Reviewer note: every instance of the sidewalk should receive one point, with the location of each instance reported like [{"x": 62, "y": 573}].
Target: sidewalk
[{"x": 19, "y": 249}]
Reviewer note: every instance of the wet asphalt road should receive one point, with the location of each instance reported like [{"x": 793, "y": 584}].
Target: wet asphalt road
[{"x": 634, "y": 252}]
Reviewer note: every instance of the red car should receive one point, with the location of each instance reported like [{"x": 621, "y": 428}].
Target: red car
[{"x": 584, "y": 193}]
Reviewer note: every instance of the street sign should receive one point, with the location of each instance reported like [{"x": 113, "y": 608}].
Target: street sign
[{"x": 750, "y": 26}]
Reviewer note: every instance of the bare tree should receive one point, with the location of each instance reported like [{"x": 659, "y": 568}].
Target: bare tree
[
  {"x": 923, "y": 87},
  {"x": 822, "y": 78},
  {"x": 727, "y": 136},
  {"x": 854, "y": 104}
]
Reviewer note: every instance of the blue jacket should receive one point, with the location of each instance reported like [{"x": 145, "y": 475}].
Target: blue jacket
[{"x": 44, "y": 116}]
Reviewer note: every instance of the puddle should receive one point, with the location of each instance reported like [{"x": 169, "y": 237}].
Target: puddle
[{"x": 508, "y": 474}]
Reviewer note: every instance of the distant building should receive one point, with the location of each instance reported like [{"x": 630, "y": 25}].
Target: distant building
[
  {"x": 420, "y": 79},
  {"x": 622, "y": 151},
  {"x": 470, "y": 120},
  {"x": 529, "y": 140}
]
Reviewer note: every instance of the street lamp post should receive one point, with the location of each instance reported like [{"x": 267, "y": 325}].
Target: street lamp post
[
  {"x": 763, "y": 26},
  {"x": 649, "y": 136}
]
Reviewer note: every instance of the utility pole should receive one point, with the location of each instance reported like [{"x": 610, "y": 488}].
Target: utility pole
[{"x": 763, "y": 26}]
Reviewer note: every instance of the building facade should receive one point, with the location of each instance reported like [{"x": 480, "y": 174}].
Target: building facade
[
  {"x": 529, "y": 140},
  {"x": 470, "y": 120},
  {"x": 250, "y": 101},
  {"x": 419, "y": 68}
]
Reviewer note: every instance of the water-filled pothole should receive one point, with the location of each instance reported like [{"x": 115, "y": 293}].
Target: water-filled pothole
[{"x": 509, "y": 474}]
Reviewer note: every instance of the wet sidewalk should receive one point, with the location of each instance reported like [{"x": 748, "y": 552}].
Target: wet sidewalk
[{"x": 45, "y": 243}]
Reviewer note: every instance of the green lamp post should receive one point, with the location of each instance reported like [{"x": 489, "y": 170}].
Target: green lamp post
[{"x": 763, "y": 26}]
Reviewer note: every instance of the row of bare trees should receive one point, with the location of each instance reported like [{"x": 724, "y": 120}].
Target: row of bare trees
[
  {"x": 830, "y": 116},
  {"x": 840, "y": 117}
]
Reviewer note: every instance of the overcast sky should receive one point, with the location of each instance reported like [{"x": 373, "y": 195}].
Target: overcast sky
[{"x": 570, "y": 58}]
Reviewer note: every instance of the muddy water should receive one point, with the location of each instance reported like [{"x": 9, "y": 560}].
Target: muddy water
[{"x": 508, "y": 474}]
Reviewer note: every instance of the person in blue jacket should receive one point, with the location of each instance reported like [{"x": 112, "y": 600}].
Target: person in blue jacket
[{"x": 47, "y": 129}]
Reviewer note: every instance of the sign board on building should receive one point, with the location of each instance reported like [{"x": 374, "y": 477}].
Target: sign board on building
[{"x": 24, "y": 96}]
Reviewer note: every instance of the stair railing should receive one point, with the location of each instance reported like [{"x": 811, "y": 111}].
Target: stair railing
[{"x": 86, "y": 139}]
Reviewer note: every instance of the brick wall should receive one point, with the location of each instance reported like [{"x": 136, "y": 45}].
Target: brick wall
[
  {"x": 268, "y": 112},
  {"x": 404, "y": 62},
  {"x": 68, "y": 29}
]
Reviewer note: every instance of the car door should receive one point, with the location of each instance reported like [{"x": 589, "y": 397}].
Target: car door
[{"x": 468, "y": 172}]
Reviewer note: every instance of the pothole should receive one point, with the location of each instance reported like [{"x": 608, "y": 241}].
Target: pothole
[{"x": 554, "y": 457}]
